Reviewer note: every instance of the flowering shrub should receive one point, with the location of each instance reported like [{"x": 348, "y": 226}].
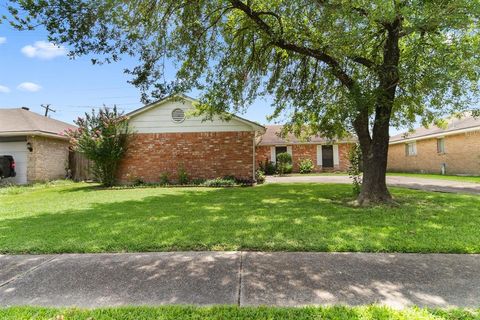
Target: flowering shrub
[
  {"x": 306, "y": 165},
  {"x": 102, "y": 137}
]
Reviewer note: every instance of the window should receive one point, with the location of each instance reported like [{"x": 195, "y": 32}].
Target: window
[
  {"x": 411, "y": 149},
  {"x": 441, "y": 145},
  {"x": 178, "y": 115}
]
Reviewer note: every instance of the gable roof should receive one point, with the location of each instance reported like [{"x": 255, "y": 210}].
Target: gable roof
[
  {"x": 271, "y": 137},
  {"x": 19, "y": 122},
  {"x": 454, "y": 126},
  {"x": 254, "y": 125}
]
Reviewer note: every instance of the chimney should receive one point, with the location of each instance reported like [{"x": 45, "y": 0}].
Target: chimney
[{"x": 25, "y": 108}]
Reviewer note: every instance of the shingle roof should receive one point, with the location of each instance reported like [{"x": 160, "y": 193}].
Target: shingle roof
[
  {"x": 454, "y": 124},
  {"x": 271, "y": 137},
  {"x": 21, "y": 121}
]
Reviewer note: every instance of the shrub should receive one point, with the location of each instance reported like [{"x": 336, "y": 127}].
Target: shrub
[
  {"x": 354, "y": 169},
  {"x": 306, "y": 165},
  {"x": 183, "y": 177},
  {"x": 219, "y": 182},
  {"x": 268, "y": 167},
  {"x": 288, "y": 168},
  {"x": 138, "y": 182},
  {"x": 102, "y": 137},
  {"x": 164, "y": 179},
  {"x": 259, "y": 176},
  {"x": 284, "y": 163}
]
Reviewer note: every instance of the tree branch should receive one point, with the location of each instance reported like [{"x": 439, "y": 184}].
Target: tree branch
[{"x": 280, "y": 42}]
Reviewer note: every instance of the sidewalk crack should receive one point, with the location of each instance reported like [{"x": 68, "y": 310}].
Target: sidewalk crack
[
  {"x": 18, "y": 276},
  {"x": 240, "y": 279}
]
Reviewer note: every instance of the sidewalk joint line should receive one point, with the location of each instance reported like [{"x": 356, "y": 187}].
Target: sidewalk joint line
[
  {"x": 240, "y": 271},
  {"x": 18, "y": 276}
]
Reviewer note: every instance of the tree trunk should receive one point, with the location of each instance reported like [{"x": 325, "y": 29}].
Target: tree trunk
[
  {"x": 374, "y": 186},
  {"x": 375, "y": 147}
]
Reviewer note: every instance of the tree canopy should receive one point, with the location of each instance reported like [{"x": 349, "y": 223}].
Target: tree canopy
[{"x": 330, "y": 65}]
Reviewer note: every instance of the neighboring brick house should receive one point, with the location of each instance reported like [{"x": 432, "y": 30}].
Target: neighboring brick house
[
  {"x": 326, "y": 154},
  {"x": 452, "y": 150},
  {"x": 36, "y": 143},
  {"x": 167, "y": 138}
]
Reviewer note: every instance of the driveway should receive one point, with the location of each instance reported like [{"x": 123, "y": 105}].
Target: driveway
[
  {"x": 240, "y": 278},
  {"x": 394, "y": 181}
]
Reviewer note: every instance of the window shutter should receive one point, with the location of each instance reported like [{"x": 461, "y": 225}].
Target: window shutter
[
  {"x": 336, "y": 160},
  {"x": 289, "y": 150},
  {"x": 273, "y": 156},
  {"x": 319, "y": 155}
]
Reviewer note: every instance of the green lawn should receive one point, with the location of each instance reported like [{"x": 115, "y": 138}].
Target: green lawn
[
  {"x": 231, "y": 312},
  {"x": 71, "y": 217},
  {"x": 474, "y": 179}
]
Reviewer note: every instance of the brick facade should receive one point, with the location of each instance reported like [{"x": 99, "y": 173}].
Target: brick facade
[
  {"x": 203, "y": 155},
  {"x": 304, "y": 151},
  {"x": 462, "y": 155},
  {"x": 48, "y": 159}
]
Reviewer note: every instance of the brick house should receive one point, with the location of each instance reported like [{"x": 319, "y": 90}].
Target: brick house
[
  {"x": 168, "y": 138},
  {"x": 326, "y": 154},
  {"x": 36, "y": 143},
  {"x": 451, "y": 150}
]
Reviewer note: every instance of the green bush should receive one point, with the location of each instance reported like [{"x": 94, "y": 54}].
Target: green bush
[
  {"x": 284, "y": 163},
  {"x": 219, "y": 182},
  {"x": 259, "y": 176},
  {"x": 268, "y": 167},
  {"x": 164, "y": 179},
  {"x": 183, "y": 177},
  {"x": 355, "y": 168},
  {"x": 306, "y": 165}
]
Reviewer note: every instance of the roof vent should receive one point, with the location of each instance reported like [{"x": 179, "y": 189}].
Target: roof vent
[
  {"x": 178, "y": 115},
  {"x": 25, "y": 108}
]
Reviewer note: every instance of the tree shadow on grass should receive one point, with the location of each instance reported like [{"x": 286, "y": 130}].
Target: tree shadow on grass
[{"x": 268, "y": 218}]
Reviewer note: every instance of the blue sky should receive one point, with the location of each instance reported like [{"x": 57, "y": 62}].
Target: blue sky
[{"x": 33, "y": 73}]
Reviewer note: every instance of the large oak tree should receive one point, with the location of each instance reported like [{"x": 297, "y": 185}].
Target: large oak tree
[{"x": 330, "y": 65}]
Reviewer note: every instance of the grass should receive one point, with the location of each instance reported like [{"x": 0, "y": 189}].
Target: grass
[
  {"x": 237, "y": 313},
  {"x": 474, "y": 179},
  {"x": 80, "y": 217}
]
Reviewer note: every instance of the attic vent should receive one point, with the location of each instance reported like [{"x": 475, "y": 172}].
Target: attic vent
[{"x": 178, "y": 115}]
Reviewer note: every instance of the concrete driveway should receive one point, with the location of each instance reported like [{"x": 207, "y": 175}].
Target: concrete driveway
[
  {"x": 394, "y": 181},
  {"x": 240, "y": 278}
]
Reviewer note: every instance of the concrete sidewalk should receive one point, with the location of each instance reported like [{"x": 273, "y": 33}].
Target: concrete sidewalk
[
  {"x": 242, "y": 278},
  {"x": 393, "y": 181}
]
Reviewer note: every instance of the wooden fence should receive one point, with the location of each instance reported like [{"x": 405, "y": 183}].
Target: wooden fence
[{"x": 80, "y": 167}]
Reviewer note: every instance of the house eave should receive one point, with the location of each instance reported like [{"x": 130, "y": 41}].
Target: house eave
[{"x": 436, "y": 135}]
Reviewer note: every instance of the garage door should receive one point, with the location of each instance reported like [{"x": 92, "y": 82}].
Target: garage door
[{"x": 19, "y": 152}]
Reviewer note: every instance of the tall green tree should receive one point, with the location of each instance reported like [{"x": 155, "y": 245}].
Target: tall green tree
[{"x": 330, "y": 65}]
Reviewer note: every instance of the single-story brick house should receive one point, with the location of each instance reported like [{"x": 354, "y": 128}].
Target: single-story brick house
[
  {"x": 326, "y": 154},
  {"x": 167, "y": 139},
  {"x": 36, "y": 143},
  {"x": 451, "y": 150}
]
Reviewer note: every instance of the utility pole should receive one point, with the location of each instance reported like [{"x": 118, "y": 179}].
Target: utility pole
[{"x": 47, "y": 108}]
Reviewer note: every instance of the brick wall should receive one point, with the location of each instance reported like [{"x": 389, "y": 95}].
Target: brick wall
[
  {"x": 204, "y": 155},
  {"x": 48, "y": 159},
  {"x": 462, "y": 155},
  {"x": 303, "y": 151}
]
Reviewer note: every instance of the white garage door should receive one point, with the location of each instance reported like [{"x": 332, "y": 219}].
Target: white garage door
[{"x": 19, "y": 152}]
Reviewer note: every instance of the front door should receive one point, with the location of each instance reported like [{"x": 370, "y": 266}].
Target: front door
[{"x": 327, "y": 156}]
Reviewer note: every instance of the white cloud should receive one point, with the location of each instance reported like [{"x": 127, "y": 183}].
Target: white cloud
[
  {"x": 43, "y": 50},
  {"x": 29, "y": 86},
  {"x": 4, "y": 89},
  {"x": 3, "y": 40}
]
